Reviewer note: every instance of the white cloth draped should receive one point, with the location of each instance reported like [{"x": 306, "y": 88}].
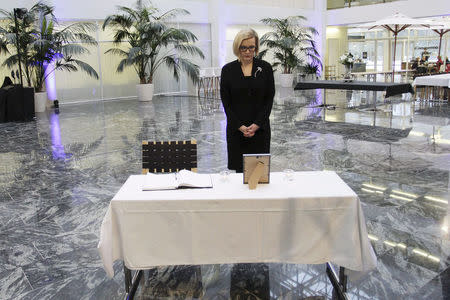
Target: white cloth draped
[
  {"x": 313, "y": 218},
  {"x": 433, "y": 80}
]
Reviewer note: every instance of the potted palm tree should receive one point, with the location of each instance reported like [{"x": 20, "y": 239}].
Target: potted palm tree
[
  {"x": 55, "y": 49},
  {"x": 17, "y": 34},
  {"x": 311, "y": 70},
  {"x": 44, "y": 49},
  {"x": 291, "y": 44},
  {"x": 146, "y": 32}
]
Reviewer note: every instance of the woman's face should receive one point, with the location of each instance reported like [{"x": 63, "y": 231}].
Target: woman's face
[{"x": 247, "y": 50}]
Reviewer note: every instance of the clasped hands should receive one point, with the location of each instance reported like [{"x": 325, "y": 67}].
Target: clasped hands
[{"x": 249, "y": 131}]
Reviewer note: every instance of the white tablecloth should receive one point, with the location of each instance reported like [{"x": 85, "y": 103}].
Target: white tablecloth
[
  {"x": 315, "y": 218},
  {"x": 433, "y": 80}
]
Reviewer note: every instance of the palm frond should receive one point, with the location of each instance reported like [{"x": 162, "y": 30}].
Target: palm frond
[
  {"x": 3, "y": 47},
  {"x": 117, "y": 51},
  {"x": 132, "y": 14},
  {"x": 172, "y": 64},
  {"x": 64, "y": 66},
  {"x": 122, "y": 21},
  {"x": 86, "y": 68},
  {"x": 73, "y": 49},
  {"x": 172, "y": 13},
  {"x": 122, "y": 64},
  {"x": 190, "y": 49},
  {"x": 262, "y": 53},
  {"x": 11, "y": 61},
  {"x": 191, "y": 69}
]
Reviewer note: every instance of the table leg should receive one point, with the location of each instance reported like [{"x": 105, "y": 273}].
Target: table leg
[
  {"x": 127, "y": 273},
  {"x": 343, "y": 279},
  {"x": 324, "y": 104},
  {"x": 131, "y": 282},
  {"x": 339, "y": 283}
]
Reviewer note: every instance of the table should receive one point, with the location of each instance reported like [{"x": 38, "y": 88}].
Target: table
[
  {"x": 391, "y": 89},
  {"x": 433, "y": 84},
  {"x": 387, "y": 74},
  {"x": 433, "y": 80},
  {"x": 314, "y": 218}
]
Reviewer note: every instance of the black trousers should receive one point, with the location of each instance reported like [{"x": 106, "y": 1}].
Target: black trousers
[{"x": 250, "y": 282}]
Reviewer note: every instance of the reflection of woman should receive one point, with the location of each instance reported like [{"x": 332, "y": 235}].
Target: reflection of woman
[{"x": 247, "y": 90}]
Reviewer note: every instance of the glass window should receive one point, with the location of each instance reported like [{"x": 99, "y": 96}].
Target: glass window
[
  {"x": 370, "y": 34},
  {"x": 116, "y": 84},
  {"x": 380, "y": 56},
  {"x": 364, "y": 52}
]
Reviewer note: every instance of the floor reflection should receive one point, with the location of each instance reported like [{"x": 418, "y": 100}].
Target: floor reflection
[{"x": 58, "y": 174}]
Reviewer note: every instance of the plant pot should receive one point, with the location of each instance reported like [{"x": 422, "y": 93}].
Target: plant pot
[
  {"x": 348, "y": 73},
  {"x": 286, "y": 80},
  {"x": 145, "y": 91},
  {"x": 311, "y": 77},
  {"x": 40, "y": 100}
]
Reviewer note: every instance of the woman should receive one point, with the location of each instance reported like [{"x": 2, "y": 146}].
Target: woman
[
  {"x": 247, "y": 89},
  {"x": 439, "y": 63}
]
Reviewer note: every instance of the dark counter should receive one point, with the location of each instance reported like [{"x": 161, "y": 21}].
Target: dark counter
[{"x": 16, "y": 103}]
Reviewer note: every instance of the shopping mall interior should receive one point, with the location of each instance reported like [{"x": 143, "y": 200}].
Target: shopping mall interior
[{"x": 62, "y": 169}]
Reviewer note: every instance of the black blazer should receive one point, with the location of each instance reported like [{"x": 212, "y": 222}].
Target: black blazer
[{"x": 247, "y": 100}]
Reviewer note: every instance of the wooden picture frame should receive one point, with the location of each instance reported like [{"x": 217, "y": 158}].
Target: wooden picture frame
[{"x": 250, "y": 162}]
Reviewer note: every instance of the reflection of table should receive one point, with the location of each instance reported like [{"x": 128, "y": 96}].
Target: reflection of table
[
  {"x": 315, "y": 218},
  {"x": 16, "y": 104},
  {"x": 436, "y": 85},
  {"x": 391, "y": 89},
  {"x": 372, "y": 76}
]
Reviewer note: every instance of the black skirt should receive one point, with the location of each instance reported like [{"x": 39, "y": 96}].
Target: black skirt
[{"x": 237, "y": 145}]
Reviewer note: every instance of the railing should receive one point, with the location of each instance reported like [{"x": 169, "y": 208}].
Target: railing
[{"x": 333, "y": 4}]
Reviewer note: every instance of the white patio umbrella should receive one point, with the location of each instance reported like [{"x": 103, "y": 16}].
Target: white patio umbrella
[
  {"x": 441, "y": 26},
  {"x": 395, "y": 24}
]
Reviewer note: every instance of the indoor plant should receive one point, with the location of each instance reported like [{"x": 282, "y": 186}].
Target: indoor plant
[
  {"x": 44, "y": 49},
  {"x": 311, "y": 70},
  {"x": 347, "y": 60},
  {"x": 147, "y": 33},
  {"x": 17, "y": 35},
  {"x": 291, "y": 44},
  {"x": 54, "y": 49}
]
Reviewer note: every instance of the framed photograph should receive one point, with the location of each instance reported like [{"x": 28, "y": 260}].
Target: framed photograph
[{"x": 250, "y": 162}]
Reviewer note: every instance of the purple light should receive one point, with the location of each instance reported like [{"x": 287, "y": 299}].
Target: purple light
[
  {"x": 55, "y": 132},
  {"x": 319, "y": 96},
  {"x": 50, "y": 82}
]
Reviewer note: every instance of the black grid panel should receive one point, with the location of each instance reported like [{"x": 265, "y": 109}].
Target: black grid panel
[{"x": 169, "y": 156}]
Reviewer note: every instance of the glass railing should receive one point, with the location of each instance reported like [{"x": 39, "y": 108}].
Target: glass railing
[{"x": 333, "y": 4}]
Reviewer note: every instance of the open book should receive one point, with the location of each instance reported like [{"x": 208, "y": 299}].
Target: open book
[{"x": 171, "y": 181}]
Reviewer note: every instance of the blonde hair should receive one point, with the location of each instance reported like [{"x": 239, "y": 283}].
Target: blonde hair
[{"x": 245, "y": 34}]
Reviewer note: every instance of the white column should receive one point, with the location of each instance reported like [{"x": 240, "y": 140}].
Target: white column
[
  {"x": 320, "y": 23},
  {"x": 217, "y": 18}
]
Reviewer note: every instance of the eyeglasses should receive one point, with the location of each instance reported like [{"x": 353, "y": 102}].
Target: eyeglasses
[{"x": 245, "y": 48}]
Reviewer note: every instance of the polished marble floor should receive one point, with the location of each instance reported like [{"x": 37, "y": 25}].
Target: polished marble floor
[{"x": 58, "y": 174}]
